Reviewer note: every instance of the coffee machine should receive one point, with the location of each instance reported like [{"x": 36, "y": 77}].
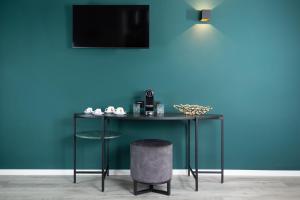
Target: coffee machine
[{"x": 149, "y": 102}]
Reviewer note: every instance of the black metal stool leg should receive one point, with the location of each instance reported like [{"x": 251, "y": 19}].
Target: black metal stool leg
[
  {"x": 151, "y": 189},
  {"x": 134, "y": 187},
  {"x": 169, "y": 188}
]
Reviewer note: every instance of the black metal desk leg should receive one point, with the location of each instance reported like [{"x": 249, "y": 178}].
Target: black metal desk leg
[
  {"x": 196, "y": 153},
  {"x": 74, "y": 149},
  {"x": 188, "y": 146},
  {"x": 107, "y": 153},
  {"x": 102, "y": 153},
  {"x": 107, "y": 158},
  {"x": 222, "y": 150}
]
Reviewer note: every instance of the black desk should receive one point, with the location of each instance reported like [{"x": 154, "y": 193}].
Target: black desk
[{"x": 166, "y": 117}]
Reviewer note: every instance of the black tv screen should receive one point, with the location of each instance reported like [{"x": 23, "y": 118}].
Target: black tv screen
[{"x": 120, "y": 26}]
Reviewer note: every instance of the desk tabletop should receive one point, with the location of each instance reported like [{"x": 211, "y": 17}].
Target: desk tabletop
[{"x": 166, "y": 116}]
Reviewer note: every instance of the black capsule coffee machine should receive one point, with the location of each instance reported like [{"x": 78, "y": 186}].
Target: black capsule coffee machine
[{"x": 149, "y": 102}]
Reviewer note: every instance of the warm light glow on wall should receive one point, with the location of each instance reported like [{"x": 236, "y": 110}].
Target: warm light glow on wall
[
  {"x": 203, "y": 29},
  {"x": 204, "y": 4},
  {"x": 203, "y": 34}
]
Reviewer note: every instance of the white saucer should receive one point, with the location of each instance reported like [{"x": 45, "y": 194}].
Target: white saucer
[
  {"x": 107, "y": 112},
  {"x": 120, "y": 113},
  {"x": 85, "y": 112},
  {"x": 98, "y": 114}
]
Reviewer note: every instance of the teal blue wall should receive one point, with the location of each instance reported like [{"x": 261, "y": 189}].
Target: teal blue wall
[{"x": 245, "y": 64}]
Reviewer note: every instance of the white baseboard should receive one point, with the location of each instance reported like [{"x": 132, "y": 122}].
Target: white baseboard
[{"x": 59, "y": 172}]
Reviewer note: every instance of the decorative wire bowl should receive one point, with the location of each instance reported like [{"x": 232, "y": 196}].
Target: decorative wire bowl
[{"x": 193, "y": 109}]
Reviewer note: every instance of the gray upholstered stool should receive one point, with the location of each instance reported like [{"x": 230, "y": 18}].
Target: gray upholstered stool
[{"x": 151, "y": 163}]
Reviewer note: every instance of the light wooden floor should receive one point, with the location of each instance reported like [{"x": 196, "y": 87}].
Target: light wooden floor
[{"x": 120, "y": 187}]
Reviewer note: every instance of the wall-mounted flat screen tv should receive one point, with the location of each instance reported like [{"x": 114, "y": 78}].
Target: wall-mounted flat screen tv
[{"x": 112, "y": 26}]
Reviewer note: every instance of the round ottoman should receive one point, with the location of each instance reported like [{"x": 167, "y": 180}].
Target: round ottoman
[{"x": 151, "y": 163}]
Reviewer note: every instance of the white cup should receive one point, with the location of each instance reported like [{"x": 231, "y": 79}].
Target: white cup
[
  {"x": 110, "y": 109},
  {"x": 120, "y": 111},
  {"x": 88, "y": 110},
  {"x": 98, "y": 111}
]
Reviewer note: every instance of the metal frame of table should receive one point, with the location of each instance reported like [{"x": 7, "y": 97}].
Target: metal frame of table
[
  {"x": 104, "y": 147},
  {"x": 166, "y": 117},
  {"x": 196, "y": 171}
]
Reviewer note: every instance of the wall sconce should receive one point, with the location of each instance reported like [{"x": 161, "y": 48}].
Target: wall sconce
[{"x": 204, "y": 15}]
